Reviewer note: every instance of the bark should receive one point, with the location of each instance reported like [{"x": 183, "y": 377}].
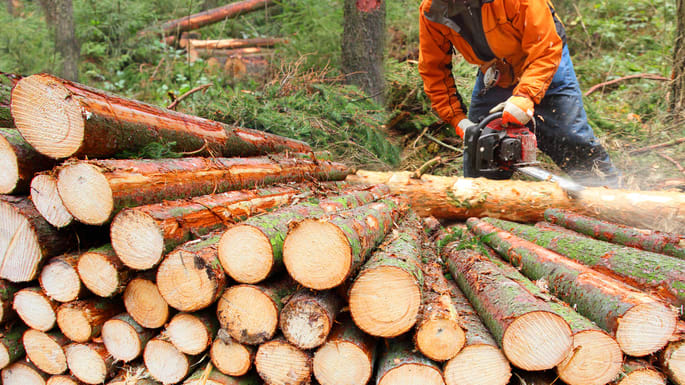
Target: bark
[
  {"x": 82, "y": 320},
  {"x": 27, "y": 239},
  {"x": 251, "y": 259},
  {"x": 352, "y": 234},
  {"x": 46, "y": 350},
  {"x": 658, "y": 274},
  {"x": 19, "y": 162},
  {"x": 307, "y": 317},
  {"x": 7, "y": 291},
  {"x": 35, "y": 308},
  {"x": 279, "y": 362},
  {"x": 400, "y": 361},
  {"x": 671, "y": 360},
  {"x": 211, "y": 16},
  {"x": 46, "y": 198},
  {"x": 385, "y": 297},
  {"x": 461, "y": 198},
  {"x": 59, "y": 16},
  {"x": 165, "y": 362},
  {"x": 656, "y": 241},
  {"x": 639, "y": 372},
  {"x": 90, "y": 363},
  {"x": 11, "y": 345},
  {"x": 229, "y": 356},
  {"x": 125, "y": 338},
  {"x": 677, "y": 102},
  {"x": 363, "y": 43},
  {"x": 102, "y": 272},
  {"x": 613, "y": 305},
  {"x": 231, "y": 43},
  {"x": 192, "y": 333},
  {"x": 23, "y": 373},
  {"x": 215, "y": 377},
  {"x": 144, "y": 303},
  {"x": 118, "y": 184}
]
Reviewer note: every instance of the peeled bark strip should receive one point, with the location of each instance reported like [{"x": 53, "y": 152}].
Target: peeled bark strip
[
  {"x": 93, "y": 191},
  {"x": 26, "y": 239},
  {"x": 656, "y": 241},
  {"x": 11, "y": 346},
  {"x": 307, "y": 317},
  {"x": 639, "y": 372},
  {"x": 19, "y": 162},
  {"x": 657, "y": 273},
  {"x": 165, "y": 362},
  {"x": 46, "y": 350},
  {"x": 341, "y": 242},
  {"x": 191, "y": 278},
  {"x": 249, "y": 313},
  {"x": 59, "y": 278},
  {"x": 141, "y": 235},
  {"x": 192, "y": 333},
  {"x": 124, "y": 338},
  {"x": 516, "y": 317},
  {"x": 640, "y": 323},
  {"x": 399, "y": 364},
  {"x": 23, "y": 373},
  {"x": 7, "y": 291},
  {"x": 280, "y": 363},
  {"x": 82, "y": 320},
  {"x": 229, "y": 356},
  {"x": 144, "y": 303},
  {"x": 62, "y": 379},
  {"x": 347, "y": 357},
  {"x": 35, "y": 308},
  {"x": 102, "y": 272},
  {"x": 672, "y": 360},
  {"x": 385, "y": 298},
  {"x": 198, "y": 20},
  {"x": 215, "y": 377},
  {"x": 252, "y": 250},
  {"x": 91, "y": 123},
  {"x": 49, "y": 204},
  {"x": 90, "y": 363}
]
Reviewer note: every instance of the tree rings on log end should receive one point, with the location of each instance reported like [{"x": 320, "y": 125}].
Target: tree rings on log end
[
  {"x": 45, "y": 352},
  {"x": 22, "y": 373},
  {"x": 73, "y": 322},
  {"x": 9, "y": 177},
  {"x": 60, "y": 281},
  {"x": 645, "y": 329},
  {"x": 249, "y": 315},
  {"x": 137, "y": 239},
  {"x": 188, "y": 333},
  {"x": 19, "y": 245},
  {"x": 596, "y": 359},
  {"x": 229, "y": 356},
  {"x": 317, "y": 254},
  {"x": 246, "y": 254},
  {"x": 87, "y": 363},
  {"x": 121, "y": 340},
  {"x": 412, "y": 373},
  {"x": 643, "y": 377},
  {"x": 673, "y": 361},
  {"x": 98, "y": 274},
  {"x": 188, "y": 282},
  {"x": 62, "y": 380},
  {"x": 280, "y": 363},
  {"x": 35, "y": 309},
  {"x": 145, "y": 304},
  {"x": 86, "y": 193},
  {"x": 478, "y": 364},
  {"x": 48, "y": 116},
  {"x": 538, "y": 340},
  {"x": 49, "y": 204},
  {"x": 342, "y": 362},
  {"x": 440, "y": 339},
  {"x": 165, "y": 363},
  {"x": 305, "y": 323}
]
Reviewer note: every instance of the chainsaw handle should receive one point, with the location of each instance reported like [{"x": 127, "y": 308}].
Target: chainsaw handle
[{"x": 486, "y": 120}]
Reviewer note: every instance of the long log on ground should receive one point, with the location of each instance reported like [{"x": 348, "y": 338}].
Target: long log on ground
[
  {"x": 90, "y": 363},
  {"x": 82, "y": 320},
  {"x": 7, "y": 291},
  {"x": 385, "y": 298},
  {"x": 19, "y": 162},
  {"x": 102, "y": 272},
  {"x": 231, "y": 43},
  {"x": 252, "y": 250},
  {"x": 640, "y": 323},
  {"x": 11, "y": 345},
  {"x": 656, "y": 241},
  {"x": 517, "y": 318},
  {"x": 341, "y": 242},
  {"x": 307, "y": 318},
  {"x": 192, "y": 333},
  {"x": 347, "y": 357},
  {"x": 23, "y": 373},
  {"x": 461, "y": 198},
  {"x": 658, "y": 274},
  {"x": 46, "y": 350},
  {"x": 93, "y": 191},
  {"x": 280, "y": 363},
  {"x": 124, "y": 338},
  {"x": 214, "y": 377},
  {"x": 144, "y": 303},
  {"x": 35, "y": 308},
  {"x": 59, "y": 278},
  {"x": 400, "y": 364},
  {"x": 142, "y": 235},
  {"x": 672, "y": 360},
  {"x": 63, "y": 379},
  {"x": 198, "y": 20},
  {"x": 229, "y": 356},
  {"x": 26, "y": 239},
  {"x": 639, "y": 372},
  {"x": 91, "y": 123},
  {"x": 49, "y": 204},
  {"x": 249, "y": 313}
]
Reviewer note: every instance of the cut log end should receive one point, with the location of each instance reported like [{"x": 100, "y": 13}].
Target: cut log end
[
  {"x": 98, "y": 274},
  {"x": 48, "y": 202},
  {"x": 73, "y": 322},
  {"x": 440, "y": 339},
  {"x": 596, "y": 359},
  {"x": 137, "y": 239},
  {"x": 673, "y": 361},
  {"x": 249, "y": 315},
  {"x": 165, "y": 363},
  {"x": 22, "y": 373},
  {"x": 19, "y": 245},
  {"x": 645, "y": 328},
  {"x": 47, "y": 116},
  {"x": 385, "y": 301},
  {"x": 121, "y": 340},
  {"x": 409, "y": 374},
  {"x": 86, "y": 193},
  {"x": 145, "y": 304},
  {"x": 45, "y": 352},
  {"x": 35, "y": 309},
  {"x": 229, "y": 356},
  {"x": 60, "y": 281},
  {"x": 547, "y": 332},
  {"x": 62, "y": 380},
  {"x": 478, "y": 364},
  {"x": 186, "y": 282},
  {"x": 4, "y": 356},
  {"x": 643, "y": 377},
  {"x": 246, "y": 254},
  {"x": 86, "y": 363},
  {"x": 188, "y": 333},
  {"x": 280, "y": 363},
  {"x": 312, "y": 244},
  {"x": 9, "y": 166},
  {"x": 305, "y": 324},
  {"x": 342, "y": 362}
]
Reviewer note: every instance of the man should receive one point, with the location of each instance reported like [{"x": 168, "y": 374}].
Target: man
[{"x": 525, "y": 71}]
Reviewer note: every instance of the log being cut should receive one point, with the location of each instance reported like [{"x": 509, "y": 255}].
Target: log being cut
[{"x": 19, "y": 162}]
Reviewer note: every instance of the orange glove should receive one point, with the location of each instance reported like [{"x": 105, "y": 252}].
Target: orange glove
[{"x": 517, "y": 110}]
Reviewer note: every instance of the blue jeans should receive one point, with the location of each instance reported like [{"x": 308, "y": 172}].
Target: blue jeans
[{"x": 561, "y": 128}]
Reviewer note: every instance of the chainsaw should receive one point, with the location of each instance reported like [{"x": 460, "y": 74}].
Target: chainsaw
[{"x": 493, "y": 147}]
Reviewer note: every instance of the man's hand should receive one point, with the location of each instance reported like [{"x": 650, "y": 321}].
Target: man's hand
[{"x": 517, "y": 111}]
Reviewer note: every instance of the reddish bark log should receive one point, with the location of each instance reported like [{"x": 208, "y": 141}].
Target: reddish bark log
[
  {"x": 19, "y": 162},
  {"x": 198, "y": 20}
]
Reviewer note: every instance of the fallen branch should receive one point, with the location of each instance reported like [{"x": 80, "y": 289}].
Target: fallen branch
[
  {"x": 675, "y": 162},
  {"x": 426, "y": 167},
  {"x": 615, "y": 81},
  {"x": 655, "y": 146},
  {"x": 438, "y": 141},
  {"x": 173, "y": 105}
]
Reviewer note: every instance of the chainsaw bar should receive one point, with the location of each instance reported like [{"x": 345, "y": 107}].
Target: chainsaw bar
[{"x": 572, "y": 188}]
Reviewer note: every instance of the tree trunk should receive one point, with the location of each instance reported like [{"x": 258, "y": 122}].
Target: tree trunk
[
  {"x": 82, "y": 320},
  {"x": 672, "y": 360},
  {"x": 399, "y": 363},
  {"x": 658, "y": 274},
  {"x": 253, "y": 250},
  {"x": 59, "y": 278},
  {"x": 517, "y": 318},
  {"x": 102, "y": 272},
  {"x": 90, "y": 363},
  {"x": 307, "y": 317},
  {"x": 678, "y": 84},
  {"x": 144, "y": 303},
  {"x": 5, "y": 91},
  {"x": 192, "y": 333},
  {"x": 344, "y": 240},
  {"x": 19, "y": 162},
  {"x": 93, "y": 191},
  {"x": 280, "y": 363},
  {"x": 639, "y": 372},
  {"x": 656, "y": 241},
  {"x": 363, "y": 45},
  {"x": 459, "y": 198},
  {"x": 165, "y": 362},
  {"x": 124, "y": 338},
  {"x": 229, "y": 356},
  {"x": 7, "y": 291},
  {"x": 613, "y": 305},
  {"x": 215, "y": 377},
  {"x": 35, "y": 308},
  {"x": 12, "y": 347},
  {"x": 347, "y": 357},
  {"x": 59, "y": 16},
  {"x": 23, "y": 373},
  {"x": 49, "y": 204},
  {"x": 198, "y": 20},
  {"x": 46, "y": 350}
]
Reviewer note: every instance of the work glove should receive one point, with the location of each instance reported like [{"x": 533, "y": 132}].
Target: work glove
[
  {"x": 517, "y": 111},
  {"x": 461, "y": 127}
]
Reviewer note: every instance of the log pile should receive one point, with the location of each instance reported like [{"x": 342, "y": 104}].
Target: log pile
[{"x": 268, "y": 269}]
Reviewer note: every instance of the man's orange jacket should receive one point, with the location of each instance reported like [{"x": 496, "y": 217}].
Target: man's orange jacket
[{"x": 521, "y": 34}]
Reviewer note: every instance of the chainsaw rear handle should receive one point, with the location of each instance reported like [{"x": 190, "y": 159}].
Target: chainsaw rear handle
[{"x": 472, "y": 133}]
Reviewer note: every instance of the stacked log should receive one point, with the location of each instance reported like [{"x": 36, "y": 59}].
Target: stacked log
[{"x": 19, "y": 162}]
